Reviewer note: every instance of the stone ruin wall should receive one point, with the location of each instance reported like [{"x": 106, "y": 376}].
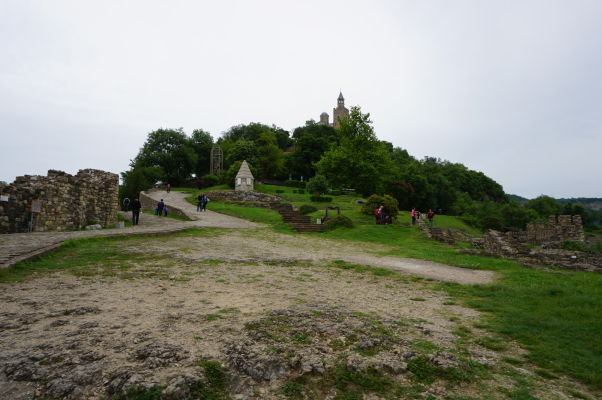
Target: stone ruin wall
[
  {"x": 68, "y": 202},
  {"x": 549, "y": 234},
  {"x": 556, "y": 230}
]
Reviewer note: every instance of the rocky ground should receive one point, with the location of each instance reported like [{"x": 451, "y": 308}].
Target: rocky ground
[{"x": 249, "y": 315}]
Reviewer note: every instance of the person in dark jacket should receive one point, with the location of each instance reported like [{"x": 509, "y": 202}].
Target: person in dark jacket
[
  {"x": 136, "y": 206},
  {"x": 160, "y": 206},
  {"x": 126, "y": 204}
]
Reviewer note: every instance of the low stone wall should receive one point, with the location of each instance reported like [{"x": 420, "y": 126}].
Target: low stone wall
[
  {"x": 68, "y": 202},
  {"x": 148, "y": 203},
  {"x": 232, "y": 195}
]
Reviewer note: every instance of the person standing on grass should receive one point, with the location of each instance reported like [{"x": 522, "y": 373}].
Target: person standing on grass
[
  {"x": 413, "y": 214},
  {"x": 136, "y": 206},
  {"x": 430, "y": 216},
  {"x": 160, "y": 206}
]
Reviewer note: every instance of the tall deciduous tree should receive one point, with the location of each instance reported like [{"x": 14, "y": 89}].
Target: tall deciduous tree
[
  {"x": 170, "y": 150},
  {"x": 360, "y": 161},
  {"x": 270, "y": 156},
  {"x": 311, "y": 142},
  {"x": 201, "y": 142}
]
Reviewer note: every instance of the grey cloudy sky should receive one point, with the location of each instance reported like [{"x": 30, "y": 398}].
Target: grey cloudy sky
[{"x": 509, "y": 88}]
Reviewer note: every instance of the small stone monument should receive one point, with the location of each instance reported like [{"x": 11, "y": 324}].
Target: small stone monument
[{"x": 244, "y": 178}]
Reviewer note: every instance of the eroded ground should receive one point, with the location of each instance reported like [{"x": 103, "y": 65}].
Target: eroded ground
[{"x": 253, "y": 315}]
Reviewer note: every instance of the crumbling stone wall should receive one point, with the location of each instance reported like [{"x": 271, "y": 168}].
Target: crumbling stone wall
[
  {"x": 556, "y": 229},
  {"x": 68, "y": 202}
]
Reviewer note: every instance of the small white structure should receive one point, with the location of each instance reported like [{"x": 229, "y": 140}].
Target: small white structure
[{"x": 244, "y": 178}]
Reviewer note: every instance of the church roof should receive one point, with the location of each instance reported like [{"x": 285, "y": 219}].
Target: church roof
[
  {"x": 341, "y": 96},
  {"x": 244, "y": 171},
  {"x": 324, "y": 113}
]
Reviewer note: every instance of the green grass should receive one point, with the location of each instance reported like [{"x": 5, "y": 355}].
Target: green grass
[{"x": 82, "y": 257}]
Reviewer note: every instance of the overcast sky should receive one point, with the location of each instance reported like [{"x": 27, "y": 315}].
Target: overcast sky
[{"x": 509, "y": 88}]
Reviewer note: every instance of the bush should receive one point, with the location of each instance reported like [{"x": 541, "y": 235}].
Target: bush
[
  {"x": 210, "y": 180},
  {"x": 307, "y": 209},
  {"x": 336, "y": 192},
  {"x": 301, "y": 191},
  {"x": 317, "y": 185},
  {"x": 376, "y": 201},
  {"x": 294, "y": 183},
  {"x": 340, "y": 221},
  {"x": 279, "y": 191},
  {"x": 320, "y": 199}
]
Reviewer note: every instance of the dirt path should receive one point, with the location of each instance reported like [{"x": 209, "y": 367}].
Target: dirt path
[{"x": 263, "y": 244}]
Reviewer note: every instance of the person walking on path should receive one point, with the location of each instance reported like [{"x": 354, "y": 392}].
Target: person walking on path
[
  {"x": 413, "y": 214},
  {"x": 126, "y": 204},
  {"x": 160, "y": 206},
  {"x": 136, "y": 206},
  {"x": 430, "y": 216},
  {"x": 199, "y": 202},
  {"x": 168, "y": 187},
  {"x": 205, "y": 201}
]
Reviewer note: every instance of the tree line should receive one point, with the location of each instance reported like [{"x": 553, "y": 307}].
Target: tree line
[{"x": 350, "y": 157}]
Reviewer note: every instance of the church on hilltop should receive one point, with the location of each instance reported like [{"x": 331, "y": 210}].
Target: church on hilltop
[{"x": 338, "y": 113}]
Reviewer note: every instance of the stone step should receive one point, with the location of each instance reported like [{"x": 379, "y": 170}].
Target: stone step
[{"x": 300, "y": 223}]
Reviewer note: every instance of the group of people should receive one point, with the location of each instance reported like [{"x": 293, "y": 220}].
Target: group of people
[
  {"x": 135, "y": 206},
  {"x": 161, "y": 209},
  {"x": 417, "y": 215},
  {"x": 383, "y": 216},
  {"x": 201, "y": 202}
]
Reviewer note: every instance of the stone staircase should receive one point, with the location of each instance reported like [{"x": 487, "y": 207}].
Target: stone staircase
[{"x": 300, "y": 223}]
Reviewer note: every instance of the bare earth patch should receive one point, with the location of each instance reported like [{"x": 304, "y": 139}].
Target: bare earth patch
[{"x": 281, "y": 318}]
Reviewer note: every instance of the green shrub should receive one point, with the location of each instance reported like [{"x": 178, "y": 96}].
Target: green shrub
[
  {"x": 279, "y": 191},
  {"x": 210, "y": 180},
  {"x": 340, "y": 221},
  {"x": 317, "y": 185},
  {"x": 376, "y": 201},
  {"x": 301, "y": 191},
  {"x": 320, "y": 199},
  {"x": 335, "y": 192},
  {"x": 307, "y": 209}
]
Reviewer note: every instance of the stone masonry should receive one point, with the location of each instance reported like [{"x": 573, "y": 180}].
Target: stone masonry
[
  {"x": 69, "y": 202},
  {"x": 556, "y": 230}
]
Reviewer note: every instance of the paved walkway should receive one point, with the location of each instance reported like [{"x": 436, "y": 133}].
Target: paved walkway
[
  {"x": 17, "y": 247},
  {"x": 205, "y": 218}
]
